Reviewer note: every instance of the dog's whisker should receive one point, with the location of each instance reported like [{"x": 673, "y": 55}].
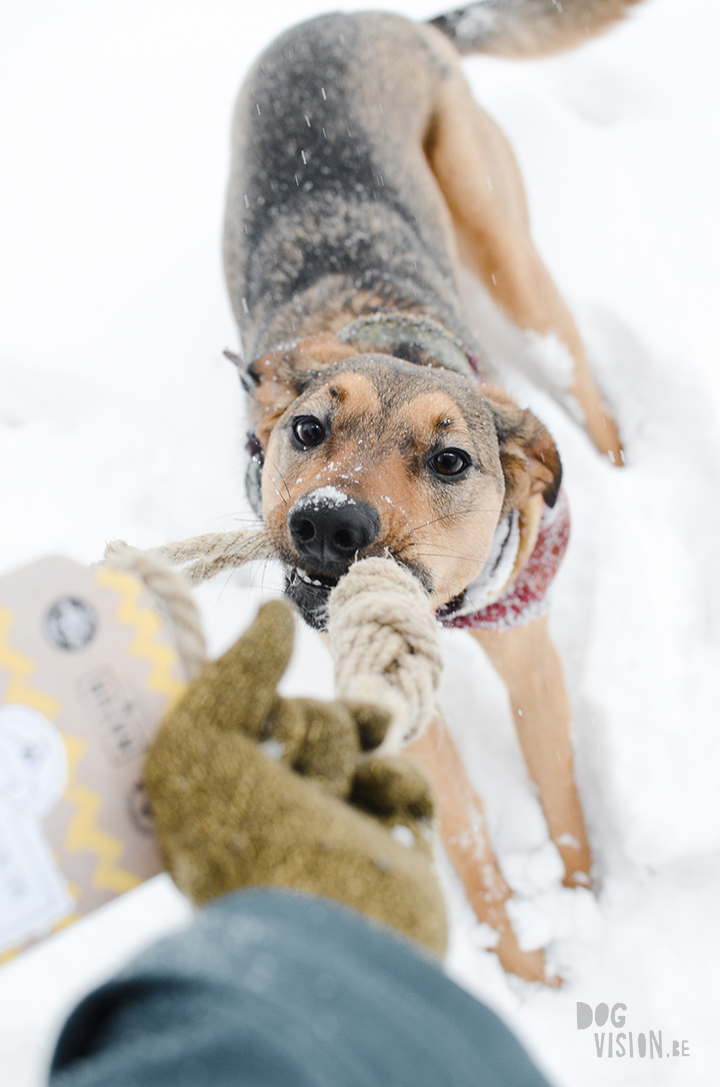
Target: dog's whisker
[
  {"x": 457, "y": 514},
  {"x": 286, "y": 502},
  {"x": 443, "y": 555},
  {"x": 237, "y": 515}
]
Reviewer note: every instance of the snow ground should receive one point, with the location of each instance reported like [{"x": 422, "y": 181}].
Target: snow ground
[{"x": 119, "y": 418}]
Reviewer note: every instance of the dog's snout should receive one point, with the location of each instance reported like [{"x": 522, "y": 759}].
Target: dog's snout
[{"x": 328, "y": 531}]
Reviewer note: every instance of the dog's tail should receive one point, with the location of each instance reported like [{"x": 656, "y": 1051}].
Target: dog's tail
[{"x": 528, "y": 28}]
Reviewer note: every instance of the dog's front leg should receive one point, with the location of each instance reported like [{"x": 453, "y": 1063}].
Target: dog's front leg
[
  {"x": 463, "y": 834},
  {"x": 528, "y": 663}
]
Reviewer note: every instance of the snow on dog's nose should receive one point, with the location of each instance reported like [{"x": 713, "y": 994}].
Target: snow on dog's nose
[{"x": 328, "y": 528}]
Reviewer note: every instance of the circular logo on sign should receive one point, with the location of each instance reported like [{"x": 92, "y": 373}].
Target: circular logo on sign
[
  {"x": 139, "y": 810},
  {"x": 70, "y": 623}
]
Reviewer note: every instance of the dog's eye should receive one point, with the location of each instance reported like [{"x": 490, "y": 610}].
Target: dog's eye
[
  {"x": 449, "y": 462},
  {"x": 308, "y": 431}
]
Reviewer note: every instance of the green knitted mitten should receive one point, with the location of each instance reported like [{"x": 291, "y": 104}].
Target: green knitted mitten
[{"x": 250, "y": 788}]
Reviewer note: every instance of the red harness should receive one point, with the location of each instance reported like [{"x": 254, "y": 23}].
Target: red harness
[{"x": 526, "y": 597}]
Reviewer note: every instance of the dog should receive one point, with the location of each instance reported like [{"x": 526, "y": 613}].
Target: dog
[{"x": 364, "y": 177}]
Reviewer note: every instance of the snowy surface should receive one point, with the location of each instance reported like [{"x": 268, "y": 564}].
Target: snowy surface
[{"x": 120, "y": 418}]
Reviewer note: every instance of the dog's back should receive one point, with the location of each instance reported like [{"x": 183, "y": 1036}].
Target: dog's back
[
  {"x": 331, "y": 191},
  {"x": 333, "y": 209}
]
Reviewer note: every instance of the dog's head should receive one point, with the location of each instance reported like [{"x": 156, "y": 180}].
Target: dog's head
[{"x": 372, "y": 455}]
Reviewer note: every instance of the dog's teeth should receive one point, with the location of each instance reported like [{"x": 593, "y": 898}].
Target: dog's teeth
[{"x": 305, "y": 577}]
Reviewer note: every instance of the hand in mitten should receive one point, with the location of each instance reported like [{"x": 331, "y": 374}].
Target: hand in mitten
[{"x": 250, "y": 788}]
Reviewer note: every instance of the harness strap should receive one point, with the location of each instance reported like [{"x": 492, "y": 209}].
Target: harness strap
[{"x": 526, "y": 597}]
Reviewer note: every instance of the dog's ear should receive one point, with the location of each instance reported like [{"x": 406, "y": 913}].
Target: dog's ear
[
  {"x": 276, "y": 379},
  {"x": 530, "y": 461}
]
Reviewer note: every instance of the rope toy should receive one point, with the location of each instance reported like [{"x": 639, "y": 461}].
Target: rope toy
[
  {"x": 174, "y": 598},
  {"x": 383, "y": 634},
  {"x": 385, "y": 644}
]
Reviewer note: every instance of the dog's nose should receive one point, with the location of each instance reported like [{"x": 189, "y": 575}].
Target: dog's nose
[{"x": 329, "y": 529}]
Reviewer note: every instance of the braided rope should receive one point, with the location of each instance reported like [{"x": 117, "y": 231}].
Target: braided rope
[
  {"x": 209, "y": 555},
  {"x": 385, "y": 643},
  {"x": 173, "y": 595},
  {"x": 384, "y": 638}
]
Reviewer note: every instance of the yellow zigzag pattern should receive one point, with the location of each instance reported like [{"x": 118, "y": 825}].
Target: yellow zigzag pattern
[
  {"x": 147, "y": 624},
  {"x": 84, "y": 834},
  {"x": 21, "y": 668}
]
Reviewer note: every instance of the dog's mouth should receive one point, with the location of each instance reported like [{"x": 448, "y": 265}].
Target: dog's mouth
[{"x": 310, "y": 592}]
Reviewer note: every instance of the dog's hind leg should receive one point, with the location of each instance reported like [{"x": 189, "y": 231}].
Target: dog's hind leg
[
  {"x": 480, "y": 180},
  {"x": 528, "y": 663},
  {"x": 463, "y": 833}
]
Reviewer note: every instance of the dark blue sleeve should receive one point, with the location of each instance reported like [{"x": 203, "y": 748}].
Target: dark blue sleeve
[{"x": 281, "y": 988}]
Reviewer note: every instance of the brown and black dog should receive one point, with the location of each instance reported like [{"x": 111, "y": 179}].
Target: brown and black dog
[{"x": 364, "y": 176}]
